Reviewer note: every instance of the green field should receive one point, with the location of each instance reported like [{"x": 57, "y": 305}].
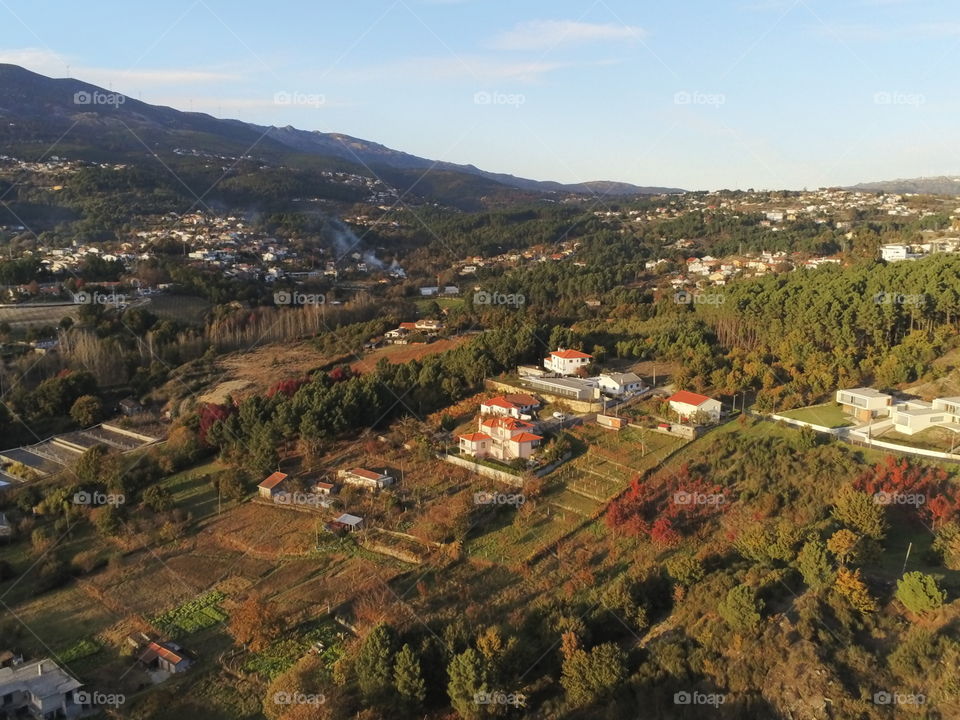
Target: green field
[{"x": 829, "y": 415}]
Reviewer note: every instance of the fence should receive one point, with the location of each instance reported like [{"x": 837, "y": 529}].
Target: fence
[{"x": 483, "y": 470}]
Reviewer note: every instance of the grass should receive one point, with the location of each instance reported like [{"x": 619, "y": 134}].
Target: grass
[
  {"x": 829, "y": 415},
  {"x": 192, "y": 491}
]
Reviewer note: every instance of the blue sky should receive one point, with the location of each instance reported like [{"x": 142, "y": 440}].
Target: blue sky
[{"x": 692, "y": 94}]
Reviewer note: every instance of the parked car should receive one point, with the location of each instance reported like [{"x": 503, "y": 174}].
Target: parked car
[{"x": 560, "y": 416}]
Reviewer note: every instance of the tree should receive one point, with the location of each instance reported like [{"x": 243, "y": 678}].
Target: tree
[
  {"x": 920, "y": 593},
  {"x": 255, "y": 624},
  {"x": 851, "y": 586},
  {"x": 814, "y": 565},
  {"x": 408, "y": 678},
  {"x": 741, "y": 608},
  {"x": 587, "y": 676},
  {"x": 467, "y": 680},
  {"x": 843, "y": 544},
  {"x": 685, "y": 569},
  {"x": 860, "y": 512},
  {"x": 87, "y": 410},
  {"x": 375, "y": 663},
  {"x": 157, "y": 498}
]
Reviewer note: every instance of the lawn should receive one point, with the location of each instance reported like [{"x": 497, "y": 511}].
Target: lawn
[{"x": 829, "y": 415}]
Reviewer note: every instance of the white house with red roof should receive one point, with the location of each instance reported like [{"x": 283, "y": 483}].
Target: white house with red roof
[
  {"x": 566, "y": 362},
  {"x": 688, "y": 404},
  {"x": 272, "y": 485},
  {"x": 502, "y": 438},
  {"x": 517, "y": 405}
]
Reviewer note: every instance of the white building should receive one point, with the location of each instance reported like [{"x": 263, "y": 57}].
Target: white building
[
  {"x": 619, "y": 384},
  {"x": 41, "y": 688},
  {"x": 895, "y": 253},
  {"x": 689, "y": 405},
  {"x": 865, "y": 403},
  {"x": 566, "y": 362},
  {"x": 915, "y": 416}
]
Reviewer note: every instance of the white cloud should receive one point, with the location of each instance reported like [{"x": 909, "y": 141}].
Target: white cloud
[
  {"x": 545, "y": 34},
  {"x": 456, "y": 67},
  {"x": 47, "y": 62}
]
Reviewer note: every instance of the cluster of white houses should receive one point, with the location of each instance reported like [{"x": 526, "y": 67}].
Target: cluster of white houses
[
  {"x": 561, "y": 375},
  {"x": 906, "y": 416}
]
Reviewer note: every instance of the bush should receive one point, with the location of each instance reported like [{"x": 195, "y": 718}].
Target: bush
[{"x": 920, "y": 593}]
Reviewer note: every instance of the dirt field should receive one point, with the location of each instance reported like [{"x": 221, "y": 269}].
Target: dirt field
[
  {"x": 262, "y": 367},
  {"x": 24, "y": 316},
  {"x": 398, "y": 354}
]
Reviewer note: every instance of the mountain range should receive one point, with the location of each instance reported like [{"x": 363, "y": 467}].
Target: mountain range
[{"x": 91, "y": 122}]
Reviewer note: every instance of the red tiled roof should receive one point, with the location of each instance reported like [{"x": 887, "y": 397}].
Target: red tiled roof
[
  {"x": 570, "y": 354},
  {"x": 525, "y": 437},
  {"x": 158, "y": 650},
  {"x": 499, "y": 402},
  {"x": 689, "y": 398},
  {"x": 408, "y": 326},
  {"x": 324, "y": 485},
  {"x": 273, "y": 480},
  {"x": 368, "y": 474},
  {"x": 474, "y": 437}
]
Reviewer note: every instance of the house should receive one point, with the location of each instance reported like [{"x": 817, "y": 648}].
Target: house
[
  {"x": 896, "y": 253},
  {"x": 502, "y": 438},
  {"x": 364, "y": 478},
  {"x": 689, "y": 405},
  {"x": 914, "y": 416},
  {"x": 322, "y": 487},
  {"x": 398, "y": 336},
  {"x": 347, "y": 522},
  {"x": 566, "y": 362},
  {"x": 864, "y": 403},
  {"x": 166, "y": 656},
  {"x": 428, "y": 325},
  {"x": 129, "y": 406},
  {"x": 270, "y": 487},
  {"x": 515, "y": 405},
  {"x": 619, "y": 384},
  {"x": 39, "y": 689}
]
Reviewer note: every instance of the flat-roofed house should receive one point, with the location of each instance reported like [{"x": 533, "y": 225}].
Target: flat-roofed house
[
  {"x": 39, "y": 689},
  {"x": 865, "y": 403}
]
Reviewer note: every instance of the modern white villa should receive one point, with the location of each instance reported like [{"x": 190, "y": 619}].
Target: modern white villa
[{"x": 906, "y": 416}]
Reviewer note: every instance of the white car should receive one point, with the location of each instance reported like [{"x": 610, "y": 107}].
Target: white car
[{"x": 560, "y": 416}]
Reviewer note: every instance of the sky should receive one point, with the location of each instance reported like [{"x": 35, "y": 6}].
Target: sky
[{"x": 765, "y": 94}]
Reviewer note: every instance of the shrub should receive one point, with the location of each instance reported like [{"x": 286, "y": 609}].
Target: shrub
[{"x": 920, "y": 593}]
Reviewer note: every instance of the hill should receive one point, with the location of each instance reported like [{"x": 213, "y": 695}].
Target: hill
[
  {"x": 91, "y": 122},
  {"x": 941, "y": 185}
]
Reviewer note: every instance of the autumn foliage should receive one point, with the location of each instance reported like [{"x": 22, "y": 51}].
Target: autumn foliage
[
  {"x": 894, "y": 477},
  {"x": 666, "y": 507}
]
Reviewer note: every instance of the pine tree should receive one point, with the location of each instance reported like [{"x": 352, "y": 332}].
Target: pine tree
[
  {"x": 375, "y": 663},
  {"x": 814, "y": 565},
  {"x": 408, "y": 678},
  {"x": 920, "y": 593},
  {"x": 741, "y": 608},
  {"x": 467, "y": 681}
]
